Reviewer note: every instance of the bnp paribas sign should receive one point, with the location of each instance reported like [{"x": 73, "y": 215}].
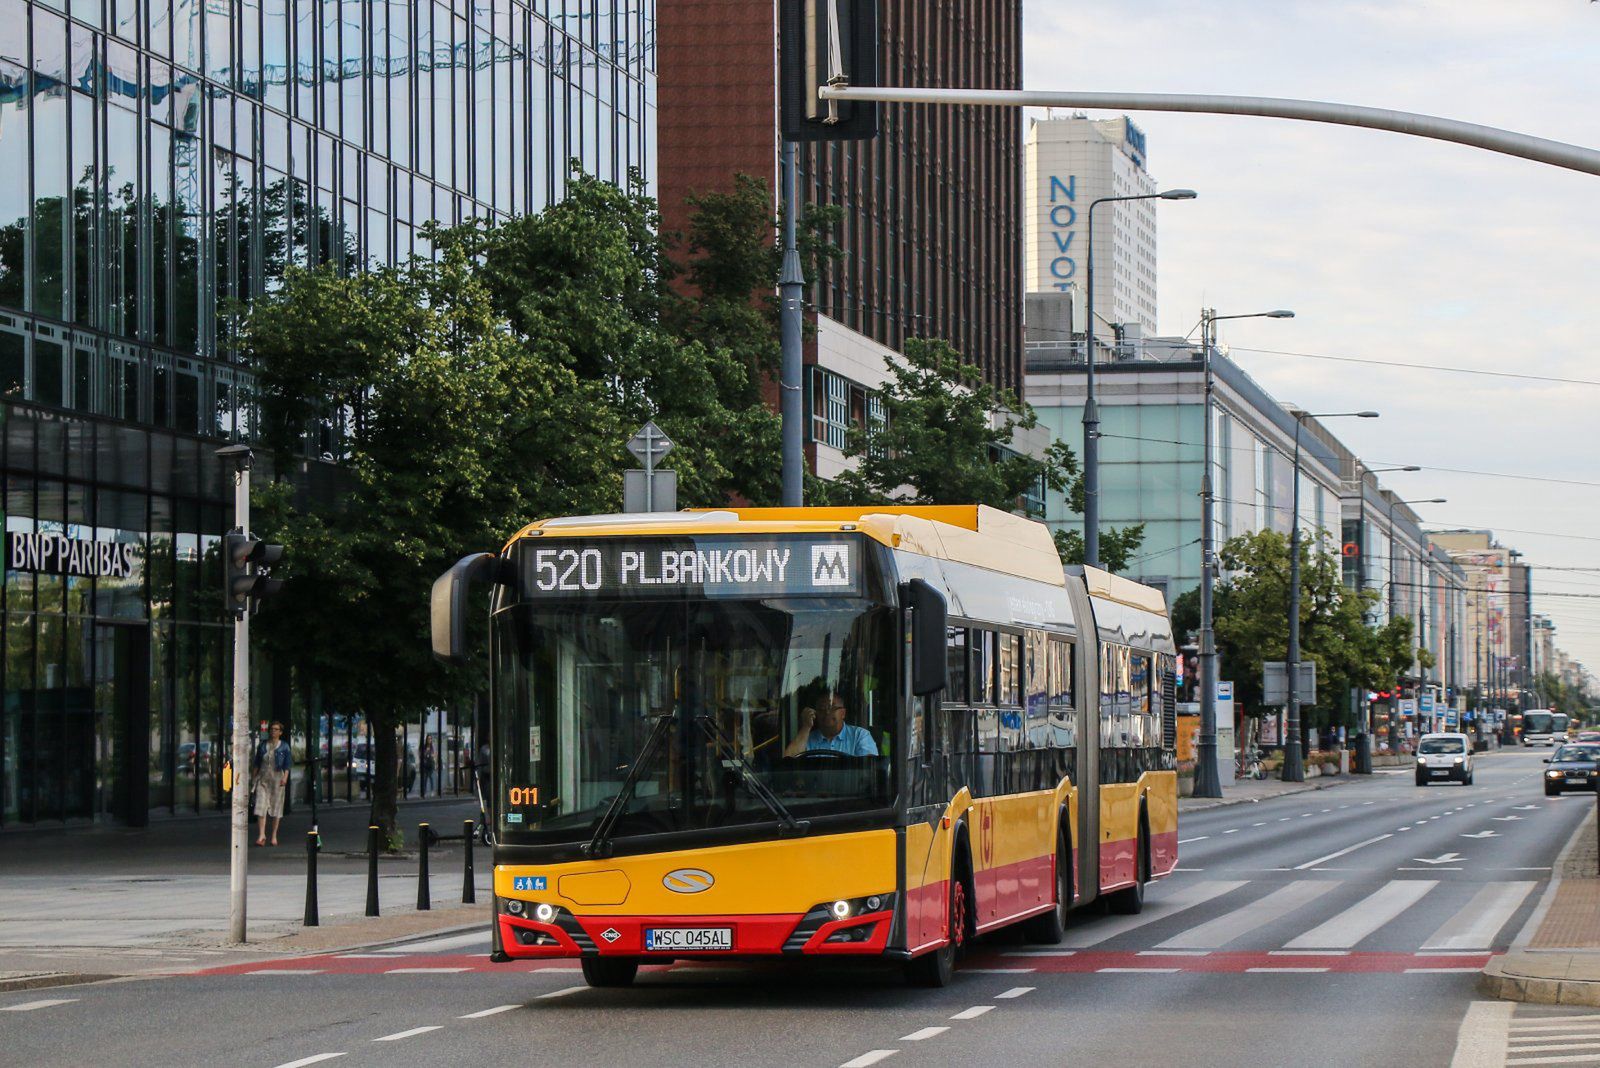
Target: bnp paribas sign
[{"x": 57, "y": 554}]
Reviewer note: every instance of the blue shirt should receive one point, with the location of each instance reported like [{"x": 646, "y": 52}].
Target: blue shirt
[{"x": 851, "y": 741}]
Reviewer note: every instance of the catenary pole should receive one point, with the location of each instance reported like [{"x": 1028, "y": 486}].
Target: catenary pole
[
  {"x": 1207, "y": 777},
  {"x": 1293, "y": 764},
  {"x": 791, "y": 285},
  {"x": 1432, "y": 127},
  {"x": 239, "y": 848}
]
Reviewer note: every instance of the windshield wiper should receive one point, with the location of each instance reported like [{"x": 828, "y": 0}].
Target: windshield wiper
[
  {"x": 600, "y": 844},
  {"x": 763, "y": 793}
]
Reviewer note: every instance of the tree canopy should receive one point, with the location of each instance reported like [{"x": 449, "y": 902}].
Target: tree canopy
[{"x": 947, "y": 438}]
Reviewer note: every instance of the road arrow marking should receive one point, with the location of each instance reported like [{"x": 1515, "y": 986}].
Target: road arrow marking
[
  {"x": 1506, "y": 819},
  {"x": 1483, "y": 834},
  {"x": 1444, "y": 858}
]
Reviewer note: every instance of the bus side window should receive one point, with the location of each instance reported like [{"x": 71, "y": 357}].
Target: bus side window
[
  {"x": 956, "y": 672},
  {"x": 981, "y": 643}
]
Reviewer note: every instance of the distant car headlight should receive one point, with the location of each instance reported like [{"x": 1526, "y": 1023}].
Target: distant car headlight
[
  {"x": 1422, "y": 762},
  {"x": 1556, "y": 773},
  {"x": 1459, "y": 760}
]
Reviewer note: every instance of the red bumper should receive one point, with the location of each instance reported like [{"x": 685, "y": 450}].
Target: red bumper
[{"x": 753, "y": 936}]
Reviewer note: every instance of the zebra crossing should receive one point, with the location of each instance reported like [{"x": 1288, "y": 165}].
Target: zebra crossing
[{"x": 1309, "y": 918}]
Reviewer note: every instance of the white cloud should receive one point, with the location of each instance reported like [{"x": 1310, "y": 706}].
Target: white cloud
[{"x": 1388, "y": 247}]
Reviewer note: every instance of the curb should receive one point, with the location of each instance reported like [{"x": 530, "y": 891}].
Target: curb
[
  {"x": 44, "y": 980},
  {"x": 1497, "y": 982}
]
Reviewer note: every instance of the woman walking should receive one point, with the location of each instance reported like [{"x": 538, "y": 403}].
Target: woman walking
[{"x": 271, "y": 770}]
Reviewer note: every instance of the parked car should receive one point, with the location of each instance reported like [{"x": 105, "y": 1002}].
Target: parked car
[
  {"x": 1443, "y": 758},
  {"x": 361, "y": 767},
  {"x": 1572, "y": 767}
]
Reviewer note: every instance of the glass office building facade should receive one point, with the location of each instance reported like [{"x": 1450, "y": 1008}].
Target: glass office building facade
[{"x": 161, "y": 162}]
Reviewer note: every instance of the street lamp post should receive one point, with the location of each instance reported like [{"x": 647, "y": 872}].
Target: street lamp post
[
  {"x": 1207, "y": 780},
  {"x": 1091, "y": 407},
  {"x": 1293, "y": 762},
  {"x": 1395, "y": 584}
]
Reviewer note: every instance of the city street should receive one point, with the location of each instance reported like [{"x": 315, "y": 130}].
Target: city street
[{"x": 1341, "y": 926}]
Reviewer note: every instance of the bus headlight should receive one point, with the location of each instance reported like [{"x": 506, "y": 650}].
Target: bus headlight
[
  {"x": 841, "y": 910},
  {"x": 544, "y": 912},
  {"x": 514, "y": 907}
]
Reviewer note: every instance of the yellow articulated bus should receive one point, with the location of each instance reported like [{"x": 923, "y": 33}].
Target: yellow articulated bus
[{"x": 813, "y": 732}]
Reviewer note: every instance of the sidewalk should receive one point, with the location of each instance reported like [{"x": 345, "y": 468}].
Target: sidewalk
[
  {"x": 1556, "y": 959},
  {"x": 81, "y": 904}
]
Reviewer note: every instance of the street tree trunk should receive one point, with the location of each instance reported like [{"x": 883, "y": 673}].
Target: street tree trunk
[{"x": 384, "y": 809}]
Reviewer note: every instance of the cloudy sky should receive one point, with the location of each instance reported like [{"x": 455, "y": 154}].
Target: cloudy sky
[{"x": 1388, "y": 247}]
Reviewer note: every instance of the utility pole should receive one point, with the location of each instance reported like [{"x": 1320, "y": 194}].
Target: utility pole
[
  {"x": 1207, "y": 781},
  {"x": 791, "y": 284},
  {"x": 239, "y": 844},
  {"x": 1293, "y": 765}
]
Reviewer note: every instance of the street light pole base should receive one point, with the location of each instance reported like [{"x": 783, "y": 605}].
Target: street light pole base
[
  {"x": 1294, "y": 769},
  {"x": 1363, "y": 754},
  {"x": 1207, "y": 782}
]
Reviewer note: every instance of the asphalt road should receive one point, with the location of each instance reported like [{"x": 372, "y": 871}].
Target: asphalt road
[{"x": 1342, "y": 926}]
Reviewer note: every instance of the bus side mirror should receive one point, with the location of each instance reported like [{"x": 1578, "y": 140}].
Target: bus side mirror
[
  {"x": 447, "y": 604},
  {"x": 928, "y": 620}
]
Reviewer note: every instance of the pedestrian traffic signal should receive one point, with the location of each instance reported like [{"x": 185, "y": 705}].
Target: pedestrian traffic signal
[
  {"x": 826, "y": 42},
  {"x": 248, "y": 565}
]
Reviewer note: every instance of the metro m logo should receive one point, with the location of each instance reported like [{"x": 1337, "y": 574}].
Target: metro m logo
[{"x": 830, "y": 565}]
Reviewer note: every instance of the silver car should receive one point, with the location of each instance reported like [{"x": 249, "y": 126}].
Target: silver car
[{"x": 1444, "y": 758}]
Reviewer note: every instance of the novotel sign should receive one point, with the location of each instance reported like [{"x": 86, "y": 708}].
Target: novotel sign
[
  {"x": 1063, "y": 230},
  {"x": 57, "y": 554}
]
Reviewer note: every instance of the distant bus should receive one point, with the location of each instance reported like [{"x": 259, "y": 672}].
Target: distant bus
[
  {"x": 814, "y": 732},
  {"x": 1538, "y": 726},
  {"x": 1559, "y": 722}
]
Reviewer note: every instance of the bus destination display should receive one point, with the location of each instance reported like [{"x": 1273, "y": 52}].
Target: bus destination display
[{"x": 679, "y": 567}]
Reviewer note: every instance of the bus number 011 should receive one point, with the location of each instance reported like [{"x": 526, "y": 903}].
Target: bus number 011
[
  {"x": 566, "y": 569},
  {"x": 523, "y": 795}
]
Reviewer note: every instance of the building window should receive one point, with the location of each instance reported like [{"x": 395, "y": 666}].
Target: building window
[{"x": 839, "y": 405}]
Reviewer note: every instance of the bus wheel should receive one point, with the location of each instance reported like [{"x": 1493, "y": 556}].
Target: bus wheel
[
  {"x": 1049, "y": 928},
  {"x": 1129, "y": 901},
  {"x": 936, "y": 969},
  {"x": 610, "y": 971}
]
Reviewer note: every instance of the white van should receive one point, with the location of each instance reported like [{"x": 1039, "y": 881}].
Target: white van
[{"x": 1443, "y": 758}]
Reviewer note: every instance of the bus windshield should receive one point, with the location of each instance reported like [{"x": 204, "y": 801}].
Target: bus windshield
[
  {"x": 1536, "y": 723},
  {"x": 735, "y": 711},
  {"x": 1558, "y": 722}
]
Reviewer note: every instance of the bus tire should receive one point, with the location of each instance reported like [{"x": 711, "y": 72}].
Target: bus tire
[
  {"x": 937, "y": 968},
  {"x": 1047, "y": 929},
  {"x": 1129, "y": 901},
  {"x": 610, "y": 971}
]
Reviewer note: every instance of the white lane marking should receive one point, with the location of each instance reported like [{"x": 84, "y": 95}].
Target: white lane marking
[
  {"x": 29, "y": 1006},
  {"x": 563, "y": 992},
  {"x": 1576, "y": 1058},
  {"x": 424, "y": 971},
  {"x": 1477, "y": 923},
  {"x": 972, "y": 1013},
  {"x": 1481, "y": 1038},
  {"x": 1186, "y": 841},
  {"x": 1015, "y": 992},
  {"x": 1173, "y": 952},
  {"x": 1214, "y": 934},
  {"x": 1365, "y": 916},
  {"x": 1144, "y": 971},
  {"x": 1538, "y": 1023},
  {"x": 1365, "y": 803},
  {"x": 414, "y": 1032},
  {"x": 288, "y": 971},
  {"x": 1186, "y": 898},
  {"x": 872, "y": 1056},
  {"x": 1308, "y": 970},
  {"x": 1263, "y": 823},
  {"x": 450, "y": 942},
  {"x": 1233, "y": 831},
  {"x": 481, "y": 1013},
  {"x": 1434, "y": 868},
  {"x": 317, "y": 1058},
  {"x": 1443, "y": 971},
  {"x": 924, "y": 1033},
  {"x": 1283, "y": 819},
  {"x": 999, "y": 971},
  {"x": 1340, "y": 853}
]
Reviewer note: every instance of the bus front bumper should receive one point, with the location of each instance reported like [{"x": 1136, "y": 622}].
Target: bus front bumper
[{"x": 821, "y": 931}]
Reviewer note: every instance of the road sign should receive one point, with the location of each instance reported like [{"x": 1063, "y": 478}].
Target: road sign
[
  {"x": 650, "y": 445},
  {"x": 649, "y": 491},
  {"x": 1275, "y": 682}
]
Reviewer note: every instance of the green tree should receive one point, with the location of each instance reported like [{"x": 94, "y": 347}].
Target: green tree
[
  {"x": 1252, "y": 625},
  {"x": 946, "y": 439}
]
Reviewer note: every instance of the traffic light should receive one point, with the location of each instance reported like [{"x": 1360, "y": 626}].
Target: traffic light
[
  {"x": 247, "y": 584},
  {"x": 826, "y": 42}
]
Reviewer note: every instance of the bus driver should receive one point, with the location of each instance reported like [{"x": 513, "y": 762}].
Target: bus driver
[{"x": 824, "y": 729}]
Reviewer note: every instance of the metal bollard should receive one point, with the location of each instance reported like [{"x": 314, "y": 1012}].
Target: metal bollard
[
  {"x": 372, "y": 870},
  {"x": 424, "y": 896},
  {"x": 469, "y": 892},
  {"x": 311, "y": 919}
]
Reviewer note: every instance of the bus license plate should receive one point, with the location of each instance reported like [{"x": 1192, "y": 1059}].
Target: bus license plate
[{"x": 688, "y": 939}]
